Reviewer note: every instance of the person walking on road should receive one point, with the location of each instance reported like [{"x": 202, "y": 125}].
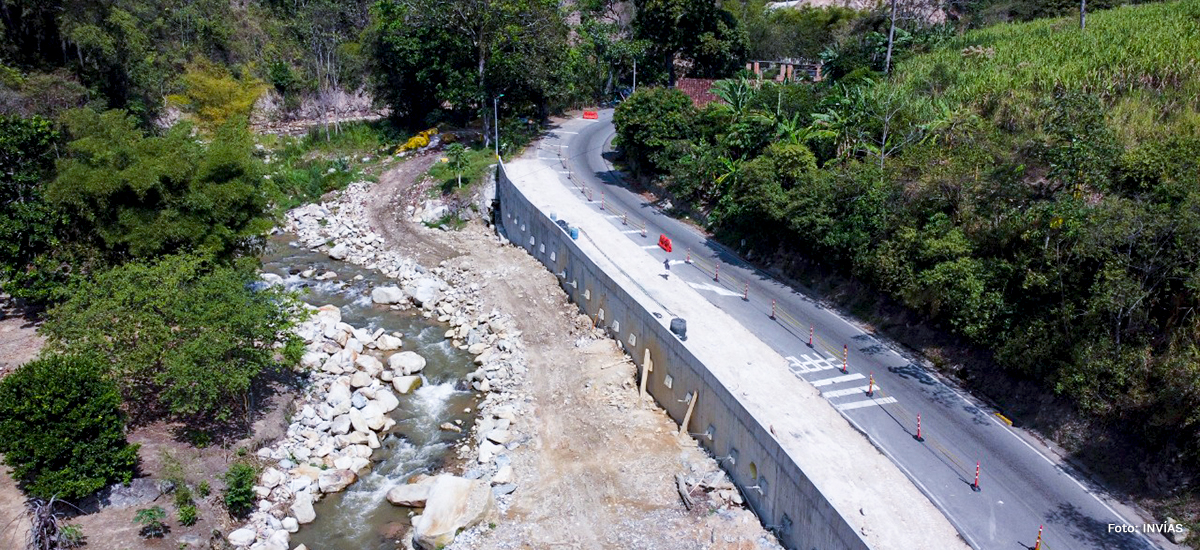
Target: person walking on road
[{"x": 667, "y": 266}]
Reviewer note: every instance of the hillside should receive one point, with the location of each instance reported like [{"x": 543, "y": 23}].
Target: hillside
[{"x": 1030, "y": 189}]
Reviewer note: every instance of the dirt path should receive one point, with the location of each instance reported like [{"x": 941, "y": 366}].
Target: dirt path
[
  {"x": 19, "y": 343},
  {"x": 600, "y": 470}
]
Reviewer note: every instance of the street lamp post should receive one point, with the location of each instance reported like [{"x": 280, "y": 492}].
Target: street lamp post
[{"x": 496, "y": 121}]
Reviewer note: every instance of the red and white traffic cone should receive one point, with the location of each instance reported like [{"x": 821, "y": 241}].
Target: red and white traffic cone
[
  {"x": 811, "y": 329},
  {"x": 975, "y": 486},
  {"x": 625, "y": 219},
  {"x": 918, "y": 436},
  {"x": 688, "y": 260},
  {"x": 1038, "y": 545},
  {"x": 717, "y": 273},
  {"x": 746, "y": 293},
  {"x": 846, "y": 360},
  {"x": 871, "y": 386},
  {"x": 602, "y": 200},
  {"x": 772, "y": 310}
]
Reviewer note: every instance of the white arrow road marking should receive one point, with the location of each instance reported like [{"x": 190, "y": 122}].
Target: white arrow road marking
[
  {"x": 867, "y": 403},
  {"x": 701, "y": 286}
]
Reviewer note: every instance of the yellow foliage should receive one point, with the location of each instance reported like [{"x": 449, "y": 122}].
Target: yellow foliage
[
  {"x": 418, "y": 141},
  {"x": 213, "y": 96}
]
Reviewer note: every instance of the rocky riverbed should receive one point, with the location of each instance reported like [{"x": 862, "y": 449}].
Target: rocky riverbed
[{"x": 359, "y": 376}]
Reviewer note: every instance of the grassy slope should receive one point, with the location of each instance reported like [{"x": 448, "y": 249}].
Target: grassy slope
[{"x": 1142, "y": 60}]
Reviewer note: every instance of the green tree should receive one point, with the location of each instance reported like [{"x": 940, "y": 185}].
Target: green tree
[
  {"x": 148, "y": 196},
  {"x": 180, "y": 335},
  {"x": 457, "y": 155},
  {"x": 30, "y": 226},
  {"x": 648, "y": 122},
  {"x": 465, "y": 53},
  {"x": 61, "y": 428},
  {"x": 697, "y": 30}
]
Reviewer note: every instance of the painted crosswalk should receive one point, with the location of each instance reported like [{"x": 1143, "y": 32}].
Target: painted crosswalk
[{"x": 843, "y": 390}]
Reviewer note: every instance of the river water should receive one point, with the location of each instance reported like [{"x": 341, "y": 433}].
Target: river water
[{"x": 360, "y": 518}]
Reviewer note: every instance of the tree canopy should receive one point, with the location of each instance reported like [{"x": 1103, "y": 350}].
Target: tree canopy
[{"x": 182, "y": 336}]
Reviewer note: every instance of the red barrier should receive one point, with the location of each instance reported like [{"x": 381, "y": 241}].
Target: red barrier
[
  {"x": 591, "y": 115},
  {"x": 664, "y": 243}
]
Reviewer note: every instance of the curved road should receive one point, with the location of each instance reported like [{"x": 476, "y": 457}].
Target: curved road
[{"x": 1022, "y": 485}]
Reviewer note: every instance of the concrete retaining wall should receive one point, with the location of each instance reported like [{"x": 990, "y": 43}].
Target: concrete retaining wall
[{"x": 785, "y": 498}]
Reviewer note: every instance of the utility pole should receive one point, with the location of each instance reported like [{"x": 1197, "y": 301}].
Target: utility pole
[
  {"x": 496, "y": 121},
  {"x": 887, "y": 66},
  {"x": 1082, "y": 14}
]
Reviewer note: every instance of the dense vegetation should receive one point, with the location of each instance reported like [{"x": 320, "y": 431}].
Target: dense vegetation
[
  {"x": 62, "y": 429},
  {"x": 1032, "y": 187}
]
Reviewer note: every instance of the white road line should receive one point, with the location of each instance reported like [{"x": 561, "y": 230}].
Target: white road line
[
  {"x": 649, "y": 247},
  {"x": 638, "y": 231},
  {"x": 674, "y": 262},
  {"x": 556, "y": 145},
  {"x": 837, "y": 380},
  {"x": 843, "y": 393},
  {"x": 562, "y": 132},
  {"x": 866, "y": 403}
]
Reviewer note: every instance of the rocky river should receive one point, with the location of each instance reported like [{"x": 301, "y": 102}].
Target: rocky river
[{"x": 407, "y": 375}]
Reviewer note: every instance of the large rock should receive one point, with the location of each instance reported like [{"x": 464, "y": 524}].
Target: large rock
[
  {"x": 425, "y": 292},
  {"x": 373, "y": 415},
  {"x": 454, "y": 503},
  {"x": 338, "y": 393},
  {"x": 279, "y": 540},
  {"x": 360, "y": 379},
  {"x": 387, "y": 342},
  {"x": 386, "y": 400},
  {"x": 358, "y": 421},
  {"x": 369, "y": 365},
  {"x": 412, "y": 495},
  {"x": 406, "y": 384},
  {"x": 302, "y": 508},
  {"x": 271, "y": 478},
  {"x": 340, "y": 425},
  {"x": 406, "y": 362},
  {"x": 387, "y": 295},
  {"x": 242, "y": 537},
  {"x": 332, "y": 481},
  {"x": 339, "y": 252}
]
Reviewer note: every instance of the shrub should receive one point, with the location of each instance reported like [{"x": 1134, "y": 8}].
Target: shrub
[
  {"x": 61, "y": 428},
  {"x": 239, "y": 489},
  {"x": 187, "y": 515},
  {"x": 151, "y": 520},
  {"x": 183, "y": 496},
  {"x": 70, "y": 536},
  {"x": 180, "y": 335},
  {"x": 203, "y": 489}
]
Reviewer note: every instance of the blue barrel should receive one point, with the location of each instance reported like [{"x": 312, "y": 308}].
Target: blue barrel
[{"x": 574, "y": 233}]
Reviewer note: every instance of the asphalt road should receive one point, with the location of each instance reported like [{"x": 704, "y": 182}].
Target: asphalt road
[{"x": 1022, "y": 485}]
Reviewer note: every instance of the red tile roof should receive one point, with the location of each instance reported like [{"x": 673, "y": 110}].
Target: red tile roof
[{"x": 698, "y": 90}]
